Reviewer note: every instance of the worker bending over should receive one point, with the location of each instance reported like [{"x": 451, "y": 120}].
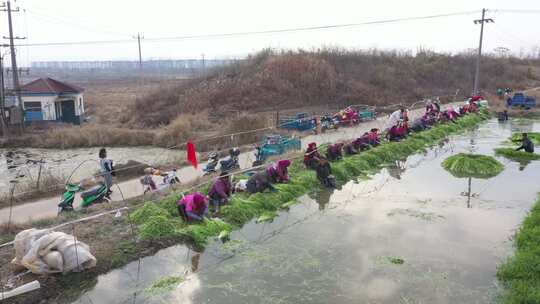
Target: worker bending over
[{"x": 193, "y": 207}]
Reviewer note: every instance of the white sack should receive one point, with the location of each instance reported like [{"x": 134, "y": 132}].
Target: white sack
[{"x": 42, "y": 251}]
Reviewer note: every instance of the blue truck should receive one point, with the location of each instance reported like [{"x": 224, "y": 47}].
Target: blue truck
[
  {"x": 275, "y": 144},
  {"x": 521, "y": 100}
]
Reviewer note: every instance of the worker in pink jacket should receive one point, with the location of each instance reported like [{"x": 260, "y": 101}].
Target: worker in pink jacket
[{"x": 193, "y": 207}]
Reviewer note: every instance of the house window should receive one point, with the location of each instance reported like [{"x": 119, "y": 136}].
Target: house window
[
  {"x": 33, "y": 106},
  {"x": 32, "y": 111}
]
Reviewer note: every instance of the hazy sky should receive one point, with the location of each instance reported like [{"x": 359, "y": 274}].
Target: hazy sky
[{"x": 44, "y": 21}]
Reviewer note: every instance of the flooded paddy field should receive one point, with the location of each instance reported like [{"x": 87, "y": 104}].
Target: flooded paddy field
[{"x": 409, "y": 234}]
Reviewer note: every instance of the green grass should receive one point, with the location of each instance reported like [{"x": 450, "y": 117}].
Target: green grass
[
  {"x": 472, "y": 165},
  {"x": 163, "y": 221},
  {"x": 520, "y": 273},
  {"x": 533, "y": 136},
  {"x": 514, "y": 155}
]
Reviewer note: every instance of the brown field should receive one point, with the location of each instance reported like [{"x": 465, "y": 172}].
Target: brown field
[{"x": 107, "y": 102}]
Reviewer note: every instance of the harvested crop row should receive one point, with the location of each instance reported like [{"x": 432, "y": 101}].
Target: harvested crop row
[
  {"x": 163, "y": 221},
  {"x": 520, "y": 272},
  {"x": 514, "y": 155}
]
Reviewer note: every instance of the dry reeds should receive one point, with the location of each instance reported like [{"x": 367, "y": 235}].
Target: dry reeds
[
  {"x": 181, "y": 129},
  {"x": 93, "y": 135}
]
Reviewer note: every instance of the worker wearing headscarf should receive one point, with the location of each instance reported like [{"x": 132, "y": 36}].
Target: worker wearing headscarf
[
  {"x": 220, "y": 191},
  {"x": 193, "y": 207},
  {"x": 278, "y": 172},
  {"x": 333, "y": 152},
  {"x": 311, "y": 154}
]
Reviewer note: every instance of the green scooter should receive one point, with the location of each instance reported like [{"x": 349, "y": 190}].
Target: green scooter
[{"x": 96, "y": 194}]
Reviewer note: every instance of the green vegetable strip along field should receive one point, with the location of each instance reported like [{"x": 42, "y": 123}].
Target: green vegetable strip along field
[{"x": 160, "y": 219}]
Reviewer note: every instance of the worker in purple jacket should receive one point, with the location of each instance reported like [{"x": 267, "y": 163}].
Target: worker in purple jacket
[
  {"x": 220, "y": 191},
  {"x": 278, "y": 172}
]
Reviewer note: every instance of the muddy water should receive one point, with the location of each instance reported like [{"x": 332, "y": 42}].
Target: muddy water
[
  {"x": 48, "y": 207},
  {"x": 81, "y": 162},
  {"x": 338, "y": 247}
]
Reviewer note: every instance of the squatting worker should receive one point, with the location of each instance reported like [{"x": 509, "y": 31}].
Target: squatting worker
[{"x": 526, "y": 144}]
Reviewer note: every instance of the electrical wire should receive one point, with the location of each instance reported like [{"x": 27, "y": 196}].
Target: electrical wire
[
  {"x": 252, "y": 33},
  {"x": 517, "y": 11}
]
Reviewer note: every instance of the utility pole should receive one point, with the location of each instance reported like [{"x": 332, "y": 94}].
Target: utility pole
[
  {"x": 477, "y": 74},
  {"x": 203, "y": 65},
  {"x": 140, "y": 52},
  {"x": 16, "y": 85},
  {"x": 5, "y": 131}
]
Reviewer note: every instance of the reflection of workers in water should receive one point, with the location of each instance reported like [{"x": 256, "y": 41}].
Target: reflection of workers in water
[
  {"x": 195, "y": 261},
  {"x": 397, "y": 169},
  {"x": 523, "y": 164},
  {"x": 323, "y": 198}
]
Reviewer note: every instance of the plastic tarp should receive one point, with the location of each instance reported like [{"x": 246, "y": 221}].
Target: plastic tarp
[{"x": 43, "y": 251}]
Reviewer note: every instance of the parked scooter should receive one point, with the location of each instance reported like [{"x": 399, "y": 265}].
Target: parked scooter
[
  {"x": 231, "y": 162},
  {"x": 96, "y": 194},
  {"x": 210, "y": 167}
]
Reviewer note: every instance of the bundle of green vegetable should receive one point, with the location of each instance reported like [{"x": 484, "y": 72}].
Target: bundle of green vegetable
[
  {"x": 148, "y": 210},
  {"x": 514, "y": 155},
  {"x": 472, "y": 165},
  {"x": 533, "y": 136}
]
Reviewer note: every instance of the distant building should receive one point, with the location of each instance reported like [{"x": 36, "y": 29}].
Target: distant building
[
  {"x": 160, "y": 64},
  {"x": 47, "y": 99}
]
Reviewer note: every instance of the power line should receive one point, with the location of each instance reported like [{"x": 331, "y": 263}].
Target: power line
[
  {"x": 516, "y": 11},
  {"x": 251, "y": 33}
]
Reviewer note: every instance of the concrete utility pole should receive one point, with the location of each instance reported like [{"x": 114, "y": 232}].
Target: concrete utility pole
[
  {"x": 5, "y": 131},
  {"x": 16, "y": 84},
  {"x": 477, "y": 74},
  {"x": 140, "y": 52}
]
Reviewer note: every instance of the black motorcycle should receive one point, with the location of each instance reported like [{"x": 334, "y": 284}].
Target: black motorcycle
[{"x": 231, "y": 162}]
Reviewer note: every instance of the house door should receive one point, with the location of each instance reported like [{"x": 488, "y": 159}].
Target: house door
[{"x": 68, "y": 111}]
